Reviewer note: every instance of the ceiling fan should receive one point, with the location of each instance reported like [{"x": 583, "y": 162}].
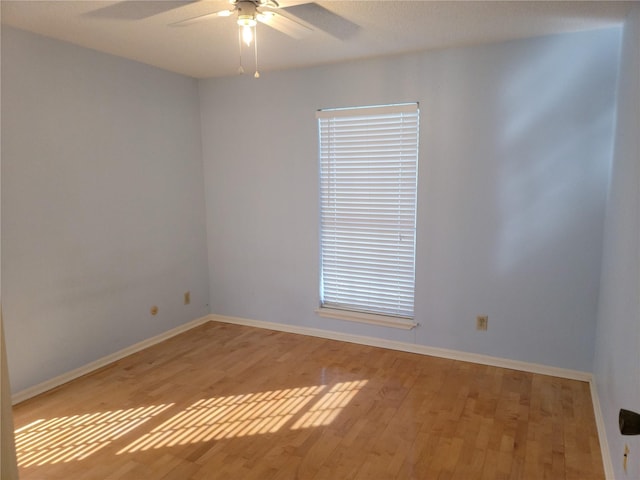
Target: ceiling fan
[
  {"x": 268, "y": 12},
  {"x": 294, "y": 18},
  {"x": 248, "y": 13}
]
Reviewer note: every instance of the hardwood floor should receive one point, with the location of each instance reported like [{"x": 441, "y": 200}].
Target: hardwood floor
[{"x": 231, "y": 402}]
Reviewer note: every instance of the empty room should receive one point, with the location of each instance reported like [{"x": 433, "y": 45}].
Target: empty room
[{"x": 331, "y": 240}]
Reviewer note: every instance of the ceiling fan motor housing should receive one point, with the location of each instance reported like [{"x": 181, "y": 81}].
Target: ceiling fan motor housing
[{"x": 247, "y": 12}]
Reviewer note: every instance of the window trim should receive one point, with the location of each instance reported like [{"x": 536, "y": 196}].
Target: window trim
[{"x": 403, "y": 323}]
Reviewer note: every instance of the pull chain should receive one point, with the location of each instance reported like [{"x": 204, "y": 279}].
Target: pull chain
[
  {"x": 240, "y": 69},
  {"x": 255, "y": 50}
]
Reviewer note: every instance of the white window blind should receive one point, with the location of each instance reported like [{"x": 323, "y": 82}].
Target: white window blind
[{"x": 368, "y": 181}]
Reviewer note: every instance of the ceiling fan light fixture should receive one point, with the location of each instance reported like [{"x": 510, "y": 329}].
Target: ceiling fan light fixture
[
  {"x": 247, "y": 11},
  {"x": 247, "y": 34},
  {"x": 247, "y": 21}
]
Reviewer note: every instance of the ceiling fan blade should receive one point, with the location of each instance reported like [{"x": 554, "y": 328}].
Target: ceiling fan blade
[
  {"x": 284, "y": 24},
  {"x": 292, "y": 3},
  {"x": 136, "y": 9},
  {"x": 323, "y": 19},
  {"x": 200, "y": 18}
]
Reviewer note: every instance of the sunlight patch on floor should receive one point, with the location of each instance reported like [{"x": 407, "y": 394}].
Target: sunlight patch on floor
[
  {"x": 63, "y": 439},
  {"x": 330, "y": 405},
  {"x": 249, "y": 414},
  {"x": 76, "y": 437}
]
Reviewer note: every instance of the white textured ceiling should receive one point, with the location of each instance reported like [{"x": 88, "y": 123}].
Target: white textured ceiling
[{"x": 343, "y": 30}]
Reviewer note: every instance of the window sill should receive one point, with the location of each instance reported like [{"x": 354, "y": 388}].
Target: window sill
[{"x": 381, "y": 320}]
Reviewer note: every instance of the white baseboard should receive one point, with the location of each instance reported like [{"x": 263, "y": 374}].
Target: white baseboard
[
  {"x": 104, "y": 361},
  {"x": 412, "y": 348}
]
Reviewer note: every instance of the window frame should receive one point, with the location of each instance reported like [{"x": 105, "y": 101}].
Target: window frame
[{"x": 410, "y": 112}]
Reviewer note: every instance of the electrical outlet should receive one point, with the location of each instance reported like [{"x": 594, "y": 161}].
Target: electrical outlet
[
  {"x": 187, "y": 298},
  {"x": 482, "y": 322}
]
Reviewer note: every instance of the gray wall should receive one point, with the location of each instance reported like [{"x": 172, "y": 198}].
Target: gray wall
[
  {"x": 102, "y": 204},
  {"x": 617, "y": 360},
  {"x": 515, "y": 152}
]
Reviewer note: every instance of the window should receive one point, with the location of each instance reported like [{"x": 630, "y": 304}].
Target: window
[{"x": 368, "y": 182}]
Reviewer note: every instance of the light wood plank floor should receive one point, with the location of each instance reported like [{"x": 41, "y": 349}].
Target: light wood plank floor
[{"x": 231, "y": 402}]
